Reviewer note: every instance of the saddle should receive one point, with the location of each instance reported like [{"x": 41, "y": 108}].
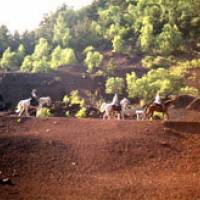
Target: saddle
[
  {"x": 161, "y": 106},
  {"x": 117, "y": 107}
]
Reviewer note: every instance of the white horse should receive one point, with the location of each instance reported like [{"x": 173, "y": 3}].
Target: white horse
[
  {"x": 25, "y": 104},
  {"x": 108, "y": 108}
]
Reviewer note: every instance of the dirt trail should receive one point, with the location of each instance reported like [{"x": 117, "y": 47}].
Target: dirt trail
[{"x": 59, "y": 159}]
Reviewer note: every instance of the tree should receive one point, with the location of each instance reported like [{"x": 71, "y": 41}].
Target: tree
[
  {"x": 169, "y": 40},
  {"x": 62, "y": 57},
  {"x": 61, "y": 32},
  {"x": 146, "y": 37},
  {"x": 162, "y": 80},
  {"x": 8, "y": 59},
  {"x": 39, "y": 60},
  {"x": 114, "y": 85},
  {"x": 42, "y": 49},
  {"x": 117, "y": 44},
  {"x": 93, "y": 59},
  {"x": 41, "y": 65},
  {"x": 20, "y": 54},
  {"x": 27, "y": 64},
  {"x": 5, "y": 38},
  {"x": 56, "y": 57}
]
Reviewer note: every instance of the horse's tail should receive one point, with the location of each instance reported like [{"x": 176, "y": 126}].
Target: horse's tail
[{"x": 19, "y": 105}]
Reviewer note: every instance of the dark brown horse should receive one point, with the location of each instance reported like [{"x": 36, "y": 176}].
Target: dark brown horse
[{"x": 163, "y": 108}]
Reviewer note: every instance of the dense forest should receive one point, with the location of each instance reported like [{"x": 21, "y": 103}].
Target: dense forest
[{"x": 164, "y": 33}]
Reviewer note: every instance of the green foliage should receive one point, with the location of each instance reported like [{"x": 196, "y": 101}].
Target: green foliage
[
  {"x": 118, "y": 44},
  {"x": 189, "y": 90},
  {"x": 151, "y": 62},
  {"x": 81, "y": 113},
  {"x": 111, "y": 67},
  {"x": 41, "y": 65},
  {"x": 20, "y": 54},
  {"x": 41, "y": 49},
  {"x": 66, "y": 100},
  {"x": 61, "y": 32},
  {"x": 8, "y": 59},
  {"x": 44, "y": 112},
  {"x": 146, "y": 37},
  {"x": 38, "y": 61},
  {"x": 5, "y": 38},
  {"x": 68, "y": 56},
  {"x": 93, "y": 59},
  {"x": 75, "y": 97},
  {"x": 169, "y": 40},
  {"x": 61, "y": 56},
  {"x": 27, "y": 64},
  {"x": 162, "y": 80},
  {"x": 56, "y": 58},
  {"x": 114, "y": 85}
]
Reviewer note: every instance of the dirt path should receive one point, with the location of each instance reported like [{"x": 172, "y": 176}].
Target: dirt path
[{"x": 59, "y": 159}]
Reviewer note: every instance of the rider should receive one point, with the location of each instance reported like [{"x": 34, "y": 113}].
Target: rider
[
  {"x": 157, "y": 99},
  {"x": 34, "y": 98}
]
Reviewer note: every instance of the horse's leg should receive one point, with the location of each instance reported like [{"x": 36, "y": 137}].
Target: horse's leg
[
  {"x": 26, "y": 112},
  {"x": 167, "y": 114},
  {"x": 22, "y": 109},
  {"x": 138, "y": 116},
  {"x": 151, "y": 114},
  {"x": 119, "y": 116},
  {"x": 122, "y": 114},
  {"x": 109, "y": 115}
]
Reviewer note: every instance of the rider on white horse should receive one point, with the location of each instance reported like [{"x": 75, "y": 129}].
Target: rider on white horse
[{"x": 34, "y": 98}]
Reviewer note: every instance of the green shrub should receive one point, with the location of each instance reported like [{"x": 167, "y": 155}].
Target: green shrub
[
  {"x": 189, "y": 90},
  {"x": 66, "y": 99},
  {"x": 44, "y": 112},
  {"x": 81, "y": 113},
  {"x": 151, "y": 62}
]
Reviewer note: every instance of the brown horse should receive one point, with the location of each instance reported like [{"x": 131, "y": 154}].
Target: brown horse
[{"x": 163, "y": 108}]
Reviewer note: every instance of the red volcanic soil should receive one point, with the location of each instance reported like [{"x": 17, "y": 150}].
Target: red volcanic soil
[{"x": 70, "y": 159}]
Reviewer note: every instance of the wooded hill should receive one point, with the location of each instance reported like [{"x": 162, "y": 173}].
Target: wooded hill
[{"x": 162, "y": 35}]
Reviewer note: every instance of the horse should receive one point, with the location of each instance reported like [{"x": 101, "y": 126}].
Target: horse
[
  {"x": 163, "y": 108},
  {"x": 109, "y": 108},
  {"x": 24, "y": 105}
]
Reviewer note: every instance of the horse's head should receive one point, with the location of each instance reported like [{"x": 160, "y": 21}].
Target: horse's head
[
  {"x": 170, "y": 102},
  {"x": 124, "y": 103},
  {"x": 49, "y": 101}
]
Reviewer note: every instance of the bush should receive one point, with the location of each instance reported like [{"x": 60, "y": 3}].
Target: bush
[
  {"x": 189, "y": 91},
  {"x": 151, "y": 62},
  {"x": 93, "y": 59},
  {"x": 44, "y": 112},
  {"x": 81, "y": 113},
  {"x": 66, "y": 99}
]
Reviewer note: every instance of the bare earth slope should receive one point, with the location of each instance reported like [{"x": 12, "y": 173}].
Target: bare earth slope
[{"x": 70, "y": 159}]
